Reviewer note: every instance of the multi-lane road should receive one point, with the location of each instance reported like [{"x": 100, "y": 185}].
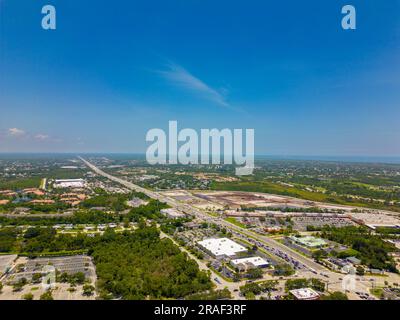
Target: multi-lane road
[
  {"x": 309, "y": 263},
  {"x": 272, "y": 246}
]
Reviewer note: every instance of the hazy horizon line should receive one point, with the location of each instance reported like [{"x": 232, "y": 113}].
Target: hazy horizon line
[{"x": 337, "y": 158}]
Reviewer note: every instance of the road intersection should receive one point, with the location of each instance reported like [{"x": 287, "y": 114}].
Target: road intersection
[{"x": 306, "y": 265}]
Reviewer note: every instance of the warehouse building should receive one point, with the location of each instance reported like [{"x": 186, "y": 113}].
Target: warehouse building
[
  {"x": 308, "y": 241},
  {"x": 305, "y": 294},
  {"x": 172, "y": 213},
  {"x": 250, "y": 262},
  {"x": 69, "y": 183},
  {"x": 221, "y": 247}
]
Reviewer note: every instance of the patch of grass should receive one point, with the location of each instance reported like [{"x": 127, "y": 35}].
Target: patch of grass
[
  {"x": 22, "y": 183},
  {"x": 377, "y": 292},
  {"x": 235, "y": 222}
]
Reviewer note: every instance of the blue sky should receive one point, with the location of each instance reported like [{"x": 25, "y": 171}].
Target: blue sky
[{"x": 113, "y": 70}]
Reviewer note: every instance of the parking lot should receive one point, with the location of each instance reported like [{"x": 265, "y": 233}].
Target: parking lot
[
  {"x": 301, "y": 223},
  {"x": 26, "y": 268}
]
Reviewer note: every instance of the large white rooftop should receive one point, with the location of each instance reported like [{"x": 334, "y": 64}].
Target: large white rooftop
[
  {"x": 305, "y": 294},
  {"x": 172, "y": 213},
  {"x": 69, "y": 183},
  {"x": 255, "y": 261},
  {"x": 222, "y": 246}
]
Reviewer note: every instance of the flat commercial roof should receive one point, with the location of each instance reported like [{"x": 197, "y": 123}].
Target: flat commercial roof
[
  {"x": 255, "y": 261},
  {"x": 305, "y": 294},
  {"x": 309, "y": 241},
  {"x": 221, "y": 246},
  {"x": 172, "y": 213},
  {"x": 65, "y": 183},
  {"x": 353, "y": 260}
]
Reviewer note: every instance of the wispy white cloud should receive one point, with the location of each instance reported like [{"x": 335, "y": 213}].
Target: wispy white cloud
[
  {"x": 15, "y": 132},
  {"x": 179, "y": 76},
  {"x": 41, "y": 137},
  {"x": 27, "y": 136}
]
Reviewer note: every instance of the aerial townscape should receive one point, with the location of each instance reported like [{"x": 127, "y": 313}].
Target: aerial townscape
[
  {"x": 114, "y": 227},
  {"x": 195, "y": 159}
]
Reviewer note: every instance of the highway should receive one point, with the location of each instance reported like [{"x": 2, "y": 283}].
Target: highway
[
  {"x": 309, "y": 263},
  {"x": 222, "y": 223},
  {"x": 275, "y": 248}
]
